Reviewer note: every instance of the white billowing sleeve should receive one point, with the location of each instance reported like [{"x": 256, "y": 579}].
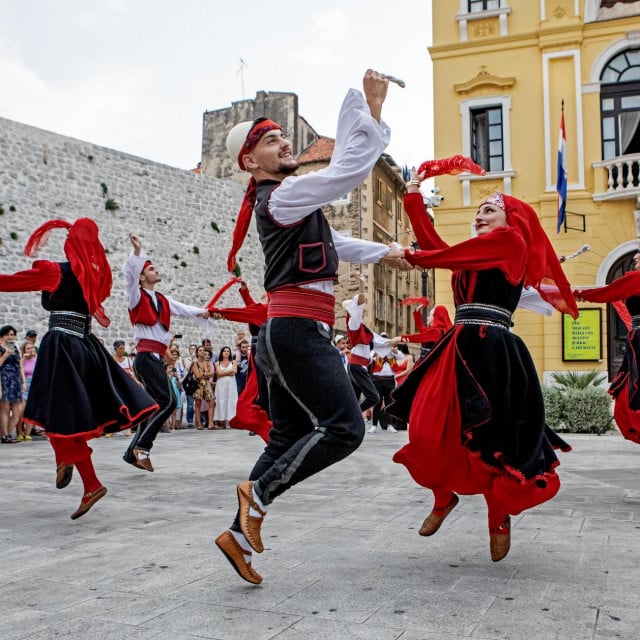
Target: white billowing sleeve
[
  {"x": 360, "y": 140},
  {"x": 188, "y": 311},
  {"x": 356, "y": 313},
  {"x": 356, "y": 250},
  {"x": 131, "y": 270},
  {"x": 530, "y": 299}
]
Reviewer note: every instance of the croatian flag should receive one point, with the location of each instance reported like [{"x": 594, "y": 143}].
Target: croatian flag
[{"x": 561, "y": 186}]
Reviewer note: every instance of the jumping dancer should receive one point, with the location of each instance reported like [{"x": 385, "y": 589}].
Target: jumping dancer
[
  {"x": 78, "y": 390},
  {"x": 150, "y": 313},
  {"x": 474, "y": 402},
  {"x": 316, "y": 417}
]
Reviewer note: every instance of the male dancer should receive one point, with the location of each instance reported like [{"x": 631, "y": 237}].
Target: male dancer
[
  {"x": 315, "y": 414},
  {"x": 150, "y": 313},
  {"x": 360, "y": 338}
]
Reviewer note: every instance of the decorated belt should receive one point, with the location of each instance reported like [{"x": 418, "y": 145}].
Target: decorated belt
[
  {"x": 483, "y": 314},
  {"x": 635, "y": 322},
  {"x": 71, "y": 322}
]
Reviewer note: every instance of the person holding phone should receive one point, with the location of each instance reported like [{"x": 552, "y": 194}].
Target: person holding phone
[{"x": 13, "y": 385}]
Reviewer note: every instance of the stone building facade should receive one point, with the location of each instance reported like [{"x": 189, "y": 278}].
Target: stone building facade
[
  {"x": 185, "y": 221},
  {"x": 278, "y": 106}
]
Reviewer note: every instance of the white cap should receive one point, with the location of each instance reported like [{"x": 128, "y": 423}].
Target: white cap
[
  {"x": 237, "y": 137},
  {"x": 338, "y": 338}
]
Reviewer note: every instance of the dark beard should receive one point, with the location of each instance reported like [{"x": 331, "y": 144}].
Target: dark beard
[{"x": 288, "y": 169}]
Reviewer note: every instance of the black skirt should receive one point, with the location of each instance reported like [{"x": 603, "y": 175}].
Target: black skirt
[{"x": 79, "y": 389}]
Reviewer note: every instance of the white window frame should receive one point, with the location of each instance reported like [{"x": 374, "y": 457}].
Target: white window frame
[
  {"x": 464, "y": 17},
  {"x": 466, "y": 107}
]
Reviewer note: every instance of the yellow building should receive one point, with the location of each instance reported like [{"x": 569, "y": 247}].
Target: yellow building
[{"x": 502, "y": 71}]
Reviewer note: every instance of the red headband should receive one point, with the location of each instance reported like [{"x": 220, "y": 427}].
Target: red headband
[
  {"x": 147, "y": 263},
  {"x": 254, "y": 136},
  {"x": 249, "y": 200}
]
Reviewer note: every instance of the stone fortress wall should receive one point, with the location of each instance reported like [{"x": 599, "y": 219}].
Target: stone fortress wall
[{"x": 184, "y": 220}]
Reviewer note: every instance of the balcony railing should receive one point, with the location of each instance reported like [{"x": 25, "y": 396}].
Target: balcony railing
[{"x": 622, "y": 178}]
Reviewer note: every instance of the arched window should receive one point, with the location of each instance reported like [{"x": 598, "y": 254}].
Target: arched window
[{"x": 620, "y": 105}]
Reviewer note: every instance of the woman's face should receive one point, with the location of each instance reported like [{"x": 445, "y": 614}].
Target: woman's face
[
  {"x": 174, "y": 354},
  {"x": 226, "y": 352},
  {"x": 201, "y": 352},
  {"x": 488, "y": 218},
  {"x": 8, "y": 337},
  {"x": 192, "y": 350},
  {"x": 29, "y": 350}
]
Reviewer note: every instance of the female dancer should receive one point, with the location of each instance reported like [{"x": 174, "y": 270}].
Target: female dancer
[
  {"x": 624, "y": 388},
  {"x": 474, "y": 402},
  {"x": 78, "y": 391}
]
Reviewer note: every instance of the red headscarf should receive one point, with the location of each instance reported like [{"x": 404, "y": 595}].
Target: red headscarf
[
  {"x": 441, "y": 319},
  {"x": 87, "y": 258},
  {"x": 543, "y": 270},
  {"x": 260, "y": 127}
]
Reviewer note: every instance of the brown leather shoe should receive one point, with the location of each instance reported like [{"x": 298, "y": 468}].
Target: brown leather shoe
[
  {"x": 88, "y": 500},
  {"x": 500, "y": 540},
  {"x": 235, "y": 555},
  {"x": 250, "y": 525},
  {"x": 64, "y": 472},
  {"x": 142, "y": 459},
  {"x": 433, "y": 521}
]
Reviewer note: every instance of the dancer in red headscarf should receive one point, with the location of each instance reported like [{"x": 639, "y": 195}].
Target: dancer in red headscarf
[
  {"x": 625, "y": 387},
  {"x": 428, "y": 334},
  {"x": 78, "y": 390},
  {"x": 474, "y": 404}
]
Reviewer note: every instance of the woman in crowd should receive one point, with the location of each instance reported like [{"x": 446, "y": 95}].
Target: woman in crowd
[
  {"x": 625, "y": 386},
  {"x": 12, "y": 385},
  {"x": 203, "y": 372},
  {"x": 226, "y": 389},
  {"x": 176, "y": 372},
  {"x": 474, "y": 402},
  {"x": 187, "y": 361},
  {"x": 78, "y": 391},
  {"x": 29, "y": 357}
]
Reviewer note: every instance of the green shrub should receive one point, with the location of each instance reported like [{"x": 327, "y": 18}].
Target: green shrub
[
  {"x": 588, "y": 410},
  {"x": 554, "y": 407},
  {"x": 578, "y": 379}
]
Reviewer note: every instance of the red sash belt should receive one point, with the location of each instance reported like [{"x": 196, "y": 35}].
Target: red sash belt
[
  {"x": 361, "y": 360},
  {"x": 151, "y": 346},
  {"x": 297, "y": 302}
]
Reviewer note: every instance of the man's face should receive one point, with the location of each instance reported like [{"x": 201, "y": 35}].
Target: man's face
[
  {"x": 272, "y": 156},
  {"x": 244, "y": 348},
  {"x": 150, "y": 276},
  {"x": 341, "y": 344}
]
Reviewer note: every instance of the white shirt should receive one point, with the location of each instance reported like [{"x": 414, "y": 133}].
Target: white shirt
[
  {"x": 132, "y": 268},
  {"x": 360, "y": 140}
]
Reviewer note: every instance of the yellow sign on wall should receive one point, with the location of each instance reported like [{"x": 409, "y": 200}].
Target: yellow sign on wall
[{"x": 582, "y": 337}]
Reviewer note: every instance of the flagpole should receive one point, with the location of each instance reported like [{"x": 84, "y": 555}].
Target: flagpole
[{"x": 565, "y": 204}]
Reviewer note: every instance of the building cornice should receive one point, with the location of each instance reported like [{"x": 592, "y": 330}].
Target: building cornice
[{"x": 485, "y": 79}]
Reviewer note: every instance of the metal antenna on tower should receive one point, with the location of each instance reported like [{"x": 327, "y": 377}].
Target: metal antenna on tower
[{"x": 240, "y": 71}]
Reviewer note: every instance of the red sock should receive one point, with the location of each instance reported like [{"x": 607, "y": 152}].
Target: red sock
[
  {"x": 88, "y": 475},
  {"x": 497, "y": 512},
  {"x": 443, "y": 498}
]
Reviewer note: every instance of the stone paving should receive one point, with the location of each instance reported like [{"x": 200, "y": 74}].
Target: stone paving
[{"x": 343, "y": 560}]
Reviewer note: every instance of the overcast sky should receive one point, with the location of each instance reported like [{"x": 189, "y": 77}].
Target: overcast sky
[{"x": 137, "y": 75}]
